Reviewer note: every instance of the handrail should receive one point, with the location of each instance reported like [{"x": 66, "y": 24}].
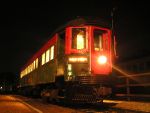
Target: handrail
[
  {"x": 146, "y": 84},
  {"x": 134, "y": 75},
  {"x": 127, "y": 85},
  {"x": 133, "y": 95}
]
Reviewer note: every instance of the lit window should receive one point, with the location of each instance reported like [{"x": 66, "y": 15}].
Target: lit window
[
  {"x": 69, "y": 67},
  {"x": 26, "y": 71},
  {"x": 21, "y": 74},
  {"x": 99, "y": 36},
  {"x": 36, "y": 62},
  {"x": 47, "y": 55},
  {"x": 31, "y": 67},
  {"x": 43, "y": 58},
  {"x": 80, "y": 41},
  {"x": 52, "y": 53},
  {"x": 78, "y": 38}
]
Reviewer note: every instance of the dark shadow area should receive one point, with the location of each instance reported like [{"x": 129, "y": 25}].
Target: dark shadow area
[{"x": 8, "y": 83}]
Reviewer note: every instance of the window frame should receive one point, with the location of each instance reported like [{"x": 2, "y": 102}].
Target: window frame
[
  {"x": 85, "y": 39},
  {"x": 105, "y": 41}
]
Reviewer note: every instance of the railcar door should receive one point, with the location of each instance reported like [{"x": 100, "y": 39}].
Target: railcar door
[
  {"x": 76, "y": 50},
  {"x": 100, "y": 51}
]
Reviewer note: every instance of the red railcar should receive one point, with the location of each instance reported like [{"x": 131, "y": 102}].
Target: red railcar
[{"x": 75, "y": 64}]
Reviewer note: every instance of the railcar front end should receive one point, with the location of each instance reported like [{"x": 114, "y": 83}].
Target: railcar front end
[{"x": 88, "y": 63}]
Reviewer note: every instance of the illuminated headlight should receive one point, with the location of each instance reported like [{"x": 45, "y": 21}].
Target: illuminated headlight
[{"x": 102, "y": 59}]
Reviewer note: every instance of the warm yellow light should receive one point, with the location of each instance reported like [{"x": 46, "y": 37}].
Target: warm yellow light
[
  {"x": 36, "y": 62},
  {"x": 47, "y": 55},
  {"x": 52, "y": 53},
  {"x": 21, "y": 74},
  {"x": 102, "y": 59},
  {"x": 69, "y": 67},
  {"x": 78, "y": 59},
  {"x": 43, "y": 58},
  {"x": 69, "y": 73},
  {"x": 80, "y": 41}
]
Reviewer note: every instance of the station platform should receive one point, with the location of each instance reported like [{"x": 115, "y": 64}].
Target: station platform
[{"x": 130, "y": 105}]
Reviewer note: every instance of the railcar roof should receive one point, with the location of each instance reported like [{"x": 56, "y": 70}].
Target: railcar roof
[
  {"x": 85, "y": 21},
  {"x": 89, "y": 21}
]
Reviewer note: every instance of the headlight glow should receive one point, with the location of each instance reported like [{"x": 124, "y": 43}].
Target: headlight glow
[{"x": 102, "y": 59}]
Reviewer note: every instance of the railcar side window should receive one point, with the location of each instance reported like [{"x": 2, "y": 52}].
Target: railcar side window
[
  {"x": 100, "y": 40},
  {"x": 36, "y": 62},
  {"x": 52, "y": 53},
  {"x": 78, "y": 38},
  {"x": 47, "y": 55},
  {"x": 43, "y": 58},
  {"x": 28, "y": 69}
]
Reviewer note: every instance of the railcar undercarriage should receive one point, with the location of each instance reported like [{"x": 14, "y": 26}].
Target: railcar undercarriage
[{"x": 81, "y": 91}]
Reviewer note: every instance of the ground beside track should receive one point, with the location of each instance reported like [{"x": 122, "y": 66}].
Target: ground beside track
[{"x": 20, "y": 104}]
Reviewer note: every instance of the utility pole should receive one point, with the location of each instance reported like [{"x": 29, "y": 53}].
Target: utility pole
[
  {"x": 113, "y": 31},
  {"x": 112, "y": 20}
]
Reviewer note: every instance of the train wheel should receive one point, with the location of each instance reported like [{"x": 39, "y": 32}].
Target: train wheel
[{"x": 49, "y": 95}]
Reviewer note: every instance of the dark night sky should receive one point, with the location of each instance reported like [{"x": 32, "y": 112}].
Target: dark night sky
[{"x": 26, "y": 26}]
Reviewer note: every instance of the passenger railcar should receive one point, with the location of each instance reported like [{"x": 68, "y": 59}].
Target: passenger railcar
[{"x": 75, "y": 63}]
